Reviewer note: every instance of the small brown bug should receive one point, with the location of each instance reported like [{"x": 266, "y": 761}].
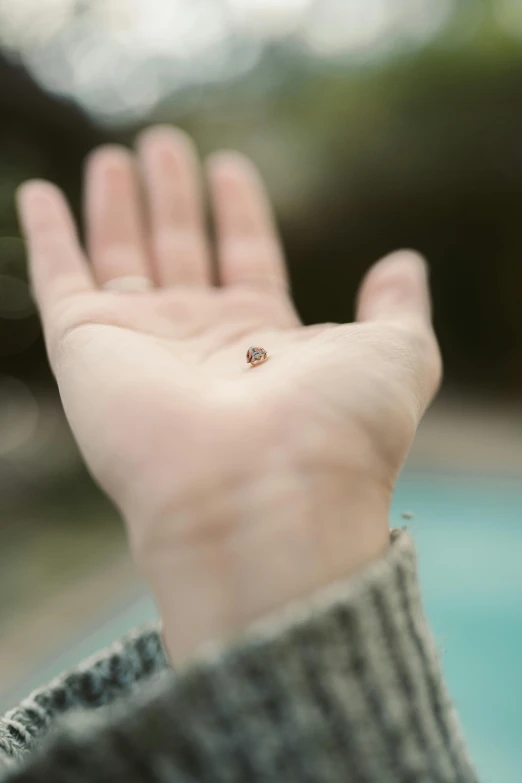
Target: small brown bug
[{"x": 256, "y": 355}]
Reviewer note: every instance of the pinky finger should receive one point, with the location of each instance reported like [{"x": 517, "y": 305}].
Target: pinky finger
[{"x": 58, "y": 268}]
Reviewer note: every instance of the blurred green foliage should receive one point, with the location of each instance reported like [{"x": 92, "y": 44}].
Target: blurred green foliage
[{"x": 420, "y": 149}]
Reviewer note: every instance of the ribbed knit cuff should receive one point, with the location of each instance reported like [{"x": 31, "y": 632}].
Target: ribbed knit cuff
[
  {"x": 345, "y": 686},
  {"x": 96, "y": 682}
]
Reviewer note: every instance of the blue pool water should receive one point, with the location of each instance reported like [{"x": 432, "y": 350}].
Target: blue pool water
[{"x": 469, "y": 538}]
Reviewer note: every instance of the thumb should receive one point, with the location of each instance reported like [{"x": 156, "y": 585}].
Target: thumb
[{"x": 396, "y": 289}]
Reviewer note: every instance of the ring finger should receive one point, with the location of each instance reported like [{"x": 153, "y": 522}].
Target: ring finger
[{"x": 114, "y": 221}]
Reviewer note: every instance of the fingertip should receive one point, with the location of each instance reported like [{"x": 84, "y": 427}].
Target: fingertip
[
  {"x": 231, "y": 164},
  {"x": 41, "y": 207},
  {"x": 164, "y": 134},
  {"x": 108, "y": 158},
  {"x": 395, "y": 287},
  {"x": 36, "y": 190},
  {"x": 403, "y": 260},
  {"x": 167, "y": 151},
  {"x": 224, "y": 156},
  {"x": 234, "y": 178},
  {"x": 167, "y": 154}
]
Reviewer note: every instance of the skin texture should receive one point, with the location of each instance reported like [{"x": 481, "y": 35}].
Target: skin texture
[{"x": 242, "y": 488}]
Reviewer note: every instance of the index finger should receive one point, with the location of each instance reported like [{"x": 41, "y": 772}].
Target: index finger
[{"x": 249, "y": 249}]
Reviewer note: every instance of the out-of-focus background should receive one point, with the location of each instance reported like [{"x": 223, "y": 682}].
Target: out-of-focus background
[{"x": 378, "y": 124}]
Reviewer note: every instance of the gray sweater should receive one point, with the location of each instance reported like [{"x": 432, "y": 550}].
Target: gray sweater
[{"x": 343, "y": 687}]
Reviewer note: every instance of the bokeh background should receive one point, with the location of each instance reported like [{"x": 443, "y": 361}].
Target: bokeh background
[{"x": 377, "y": 124}]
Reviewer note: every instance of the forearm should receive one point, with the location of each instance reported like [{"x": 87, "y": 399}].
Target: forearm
[
  {"x": 216, "y": 568},
  {"x": 345, "y": 685}
]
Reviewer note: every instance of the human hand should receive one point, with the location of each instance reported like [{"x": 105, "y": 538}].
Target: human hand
[{"x": 242, "y": 488}]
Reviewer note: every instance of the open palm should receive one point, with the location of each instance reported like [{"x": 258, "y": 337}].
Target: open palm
[{"x": 149, "y": 344}]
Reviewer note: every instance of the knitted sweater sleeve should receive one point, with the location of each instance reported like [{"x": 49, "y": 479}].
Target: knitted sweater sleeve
[{"x": 343, "y": 686}]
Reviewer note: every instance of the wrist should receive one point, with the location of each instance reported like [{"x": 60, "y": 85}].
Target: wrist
[{"x": 216, "y": 568}]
